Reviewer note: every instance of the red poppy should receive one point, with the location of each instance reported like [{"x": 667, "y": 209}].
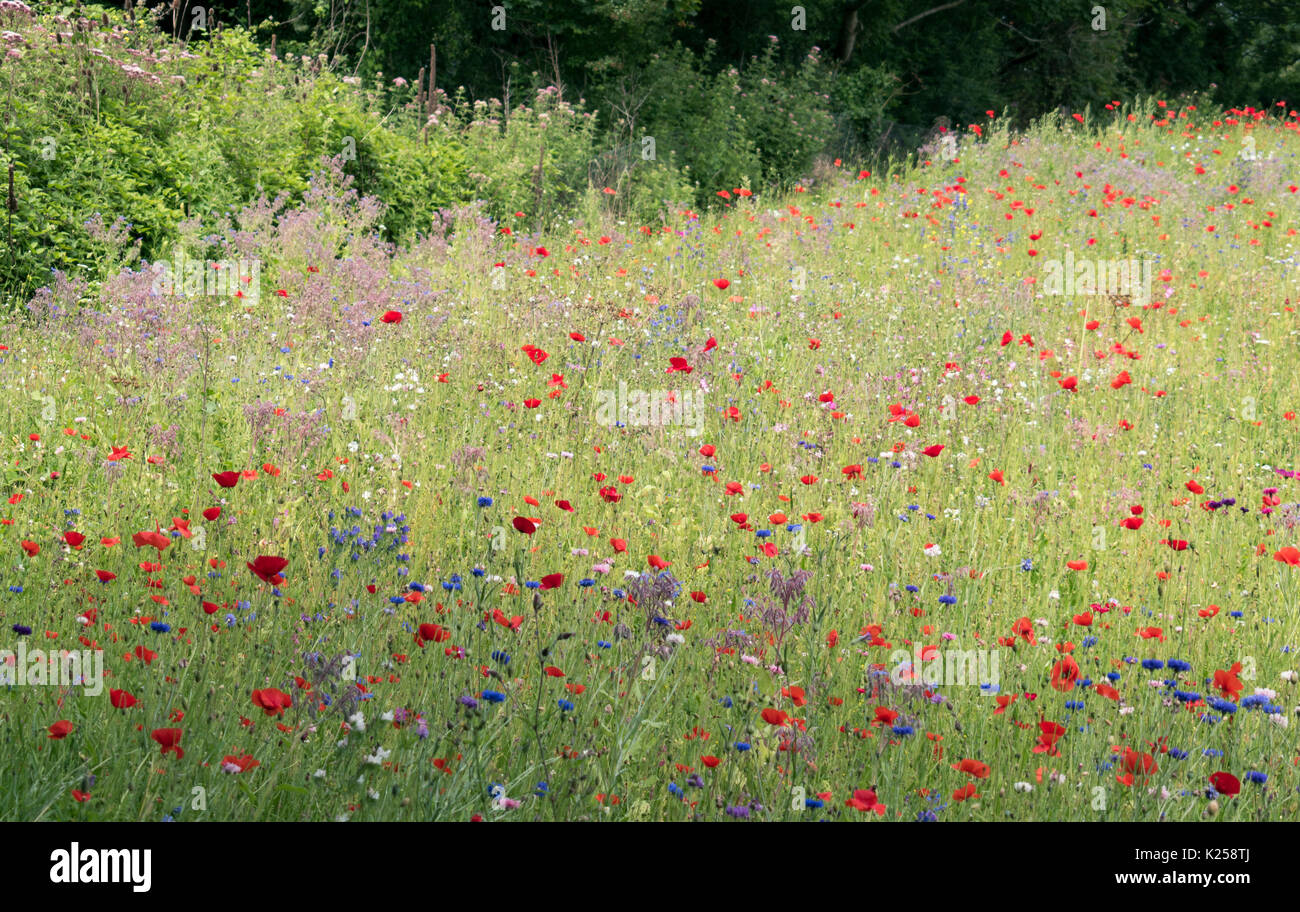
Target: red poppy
[
  {"x": 775, "y": 717},
  {"x": 1049, "y": 734},
  {"x": 226, "y": 479},
  {"x": 1108, "y": 692},
  {"x": 885, "y": 716},
  {"x": 272, "y": 701},
  {"x": 865, "y": 800},
  {"x": 169, "y": 739},
  {"x": 212, "y": 513},
  {"x": 1024, "y": 628},
  {"x": 1134, "y": 762},
  {"x": 432, "y": 633},
  {"x": 242, "y": 764},
  {"x": 1225, "y": 783},
  {"x": 1288, "y": 555},
  {"x": 392, "y": 316},
  {"x": 535, "y": 354},
  {"x": 60, "y": 730},
  {"x": 153, "y": 539},
  {"x": 524, "y": 525},
  {"x": 1064, "y": 674},
  {"x": 121, "y": 699},
  {"x": 552, "y": 581},
  {"x": 973, "y": 767},
  {"x": 267, "y": 567},
  {"x": 1227, "y": 683}
]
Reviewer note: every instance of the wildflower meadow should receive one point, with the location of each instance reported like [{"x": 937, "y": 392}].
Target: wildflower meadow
[{"x": 960, "y": 486}]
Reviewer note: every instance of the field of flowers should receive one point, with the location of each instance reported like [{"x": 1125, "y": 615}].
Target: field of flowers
[{"x": 965, "y": 491}]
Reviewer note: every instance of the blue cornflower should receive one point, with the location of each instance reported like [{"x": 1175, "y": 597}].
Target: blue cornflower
[
  {"x": 565, "y": 705},
  {"x": 160, "y": 627},
  {"x": 485, "y": 501}
]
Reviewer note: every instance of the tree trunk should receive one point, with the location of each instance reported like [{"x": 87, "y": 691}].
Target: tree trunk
[{"x": 848, "y": 36}]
